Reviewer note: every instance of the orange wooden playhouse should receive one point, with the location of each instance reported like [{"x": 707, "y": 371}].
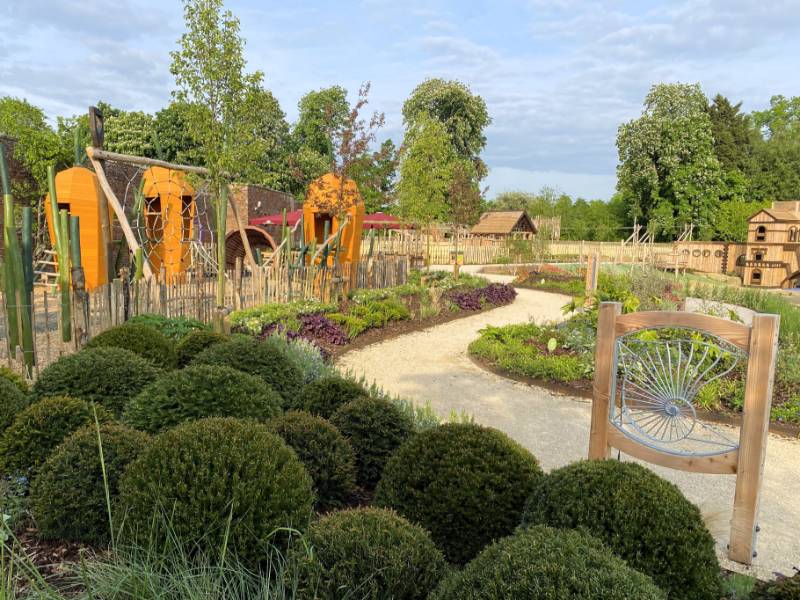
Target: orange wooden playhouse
[
  {"x": 328, "y": 200},
  {"x": 78, "y": 191},
  {"x": 169, "y": 211}
]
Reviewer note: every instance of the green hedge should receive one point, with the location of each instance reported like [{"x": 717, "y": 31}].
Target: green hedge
[
  {"x": 326, "y": 454},
  {"x": 257, "y": 358},
  {"x": 139, "y": 339},
  {"x": 68, "y": 496},
  {"x": 175, "y": 328},
  {"x": 194, "y": 343},
  {"x": 107, "y": 376},
  {"x": 786, "y": 588},
  {"x": 15, "y": 378},
  {"x": 368, "y": 553},
  {"x": 39, "y": 428},
  {"x": 375, "y": 428},
  {"x": 218, "y": 479},
  {"x": 325, "y": 395},
  {"x": 12, "y": 402},
  {"x": 464, "y": 483},
  {"x": 253, "y": 320},
  {"x": 200, "y": 391},
  {"x": 643, "y": 518},
  {"x": 541, "y": 562}
]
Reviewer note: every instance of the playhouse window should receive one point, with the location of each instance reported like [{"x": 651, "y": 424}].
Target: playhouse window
[
  {"x": 759, "y": 256},
  {"x": 793, "y": 234},
  {"x": 741, "y": 260},
  {"x": 761, "y": 233},
  {"x": 319, "y": 226},
  {"x": 152, "y": 218},
  {"x": 755, "y": 278},
  {"x": 186, "y": 218}
]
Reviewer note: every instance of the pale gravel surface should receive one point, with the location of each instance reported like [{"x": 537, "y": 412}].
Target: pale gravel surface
[{"x": 433, "y": 366}]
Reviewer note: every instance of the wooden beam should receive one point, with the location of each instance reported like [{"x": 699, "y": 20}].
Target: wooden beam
[
  {"x": 95, "y": 156},
  {"x": 753, "y": 436},
  {"x": 604, "y": 374},
  {"x": 142, "y": 160},
  {"x": 735, "y": 333}
]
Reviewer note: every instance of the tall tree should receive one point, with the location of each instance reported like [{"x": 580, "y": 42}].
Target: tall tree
[
  {"x": 463, "y": 114},
  {"x": 320, "y": 113},
  {"x": 376, "y": 177},
  {"x": 222, "y": 103},
  {"x": 775, "y": 170},
  {"x": 131, "y": 133},
  {"x": 730, "y": 129},
  {"x": 174, "y": 144},
  {"x": 668, "y": 173}
]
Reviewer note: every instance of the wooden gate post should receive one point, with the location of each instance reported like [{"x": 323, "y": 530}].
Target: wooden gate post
[
  {"x": 753, "y": 436},
  {"x": 604, "y": 376}
]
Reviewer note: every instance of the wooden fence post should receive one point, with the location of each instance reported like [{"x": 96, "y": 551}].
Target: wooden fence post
[
  {"x": 604, "y": 376},
  {"x": 753, "y": 436}
]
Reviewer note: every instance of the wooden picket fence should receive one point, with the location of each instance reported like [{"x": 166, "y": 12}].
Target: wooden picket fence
[{"x": 192, "y": 296}]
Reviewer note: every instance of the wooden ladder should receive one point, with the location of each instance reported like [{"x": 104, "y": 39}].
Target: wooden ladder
[{"x": 45, "y": 270}]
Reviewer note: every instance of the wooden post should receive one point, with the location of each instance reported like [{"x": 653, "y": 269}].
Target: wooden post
[
  {"x": 592, "y": 274},
  {"x": 753, "y": 436},
  {"x": 604, "y": 376}
]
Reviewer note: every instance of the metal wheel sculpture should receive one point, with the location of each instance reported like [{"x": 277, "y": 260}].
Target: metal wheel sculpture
[{"x": 661, "y": 373}]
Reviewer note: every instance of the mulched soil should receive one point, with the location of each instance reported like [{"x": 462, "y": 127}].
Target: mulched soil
[{"x": 55, "y": 560}]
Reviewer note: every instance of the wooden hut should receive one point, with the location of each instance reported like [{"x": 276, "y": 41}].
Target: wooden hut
[
  {"x": 505, "y": 224},
  {"x": 772, "y": 256},
  {"x": 169, "y": 211},
  {"x": 78, "y": 191},
  {"x": 328, "y": 201}
]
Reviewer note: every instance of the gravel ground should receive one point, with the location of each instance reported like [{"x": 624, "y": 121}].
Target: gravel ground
[{"x": 433, "y": 366}]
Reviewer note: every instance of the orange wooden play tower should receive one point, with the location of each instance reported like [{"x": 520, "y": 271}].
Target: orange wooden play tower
[
  {"x": 169, "y": 211},
  {"x": 78, "y": 191},
  {"x": 329, "y": 201}
]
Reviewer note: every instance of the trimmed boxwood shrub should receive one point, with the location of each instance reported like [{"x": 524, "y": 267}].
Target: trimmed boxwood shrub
[
  {"x": 68, "y": 495},
  {"x": 12, "y": 401},
  {"x": 15, "y": 378},
  {"x": 643, "y": 518},
  {"x": 787, "y": 588},
  {"x": 375, "y": 428},
  {"x": 465, "y": 483},
  {"x": 139, "y": 339},
  {"x": 541, "y": 562},
  {"x": 324, "y": 396},
  {"x": 326, "y": 454},
  {"x": 39, "y": 428},
  {"x": 201, "y": 474},
  {"x": 106, "y": 376},
  {"x": 254, "y": 357},
  {"x": 194, "y": 343},
  {"x": 200, "y": 391},
  {"x": 368, "y": 553}
]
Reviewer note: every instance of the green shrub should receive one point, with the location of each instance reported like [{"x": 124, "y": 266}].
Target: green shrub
[
  {"x": 353, "y": 325},
  {"x": 375, "y": 429},
  {"x": 643, "y": 518},
  {"x": 368, "y": 553},
  {"x": 787, "y": 588},
  {"x": 541, "y": 562},
  {"x": 304, "y": 354},
  {"x": 257, "y": 358},
  {"x": 464, "y": 483},
  {"x": 139, "y": 339},
  {"x": 200, "y": 391},
  {"x": 326, "y": 454},
  {"x": 12, "y": 401},
  {"x": 324, "y": 396},
  {"x": 217, "y": 479},
  {"x": 15, "y": 378},
  {"x": 377, "y": 313},
  {"x": 107, "y": 376},
  {"x": 194, "y": 343},
  {"x": 253, "y": 320},
  {"x": 67, "y": 497},
  {"x": 39, "y": 428},
  {"x": 175, "y": 328}
]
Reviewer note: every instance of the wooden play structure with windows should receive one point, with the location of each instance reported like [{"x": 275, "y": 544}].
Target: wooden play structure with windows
[
  {"x": 333, "y": 218},
  {"x": 772, "y": 256},
  {"x": 78, "y": 191}
]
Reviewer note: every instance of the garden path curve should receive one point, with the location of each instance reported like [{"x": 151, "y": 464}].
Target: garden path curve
[{"x": 433, "y": 365}]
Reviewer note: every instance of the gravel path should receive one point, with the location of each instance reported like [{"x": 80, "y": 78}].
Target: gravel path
[{"x": 432, "y": 366}]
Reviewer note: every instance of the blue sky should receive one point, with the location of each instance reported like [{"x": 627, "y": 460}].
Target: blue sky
[{"x": 558, "y": 76}]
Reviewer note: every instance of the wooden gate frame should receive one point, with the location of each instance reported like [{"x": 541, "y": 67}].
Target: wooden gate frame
[{"x": 760, "y": 341}]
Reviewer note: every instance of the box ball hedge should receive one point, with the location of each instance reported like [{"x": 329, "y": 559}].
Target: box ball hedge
[
  {"x": 39, "y": 428},
  {"x": 107, "y": 376},
  {"x": 200, "y": 391},
  {"x": 542, "y": 562},
  {"x": 140, "y": 339},
  {"x": 15, "y": 378},
  {"x": 465, "y": 483},
  {"x": 368, "y": 553},
  {"x": 643, "y": 518},
  {"x": 375, "y": 428},
  {"x": 194, "y": 343},
  {"x": 67, "y": 498},
  {"x": 325, "y": 395},
  {"x": 326, "y": 454},
  {"x": 200, "y": 474},
  {"x": 256, "y": 358},
  {"x": 12, "y": 401}
]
